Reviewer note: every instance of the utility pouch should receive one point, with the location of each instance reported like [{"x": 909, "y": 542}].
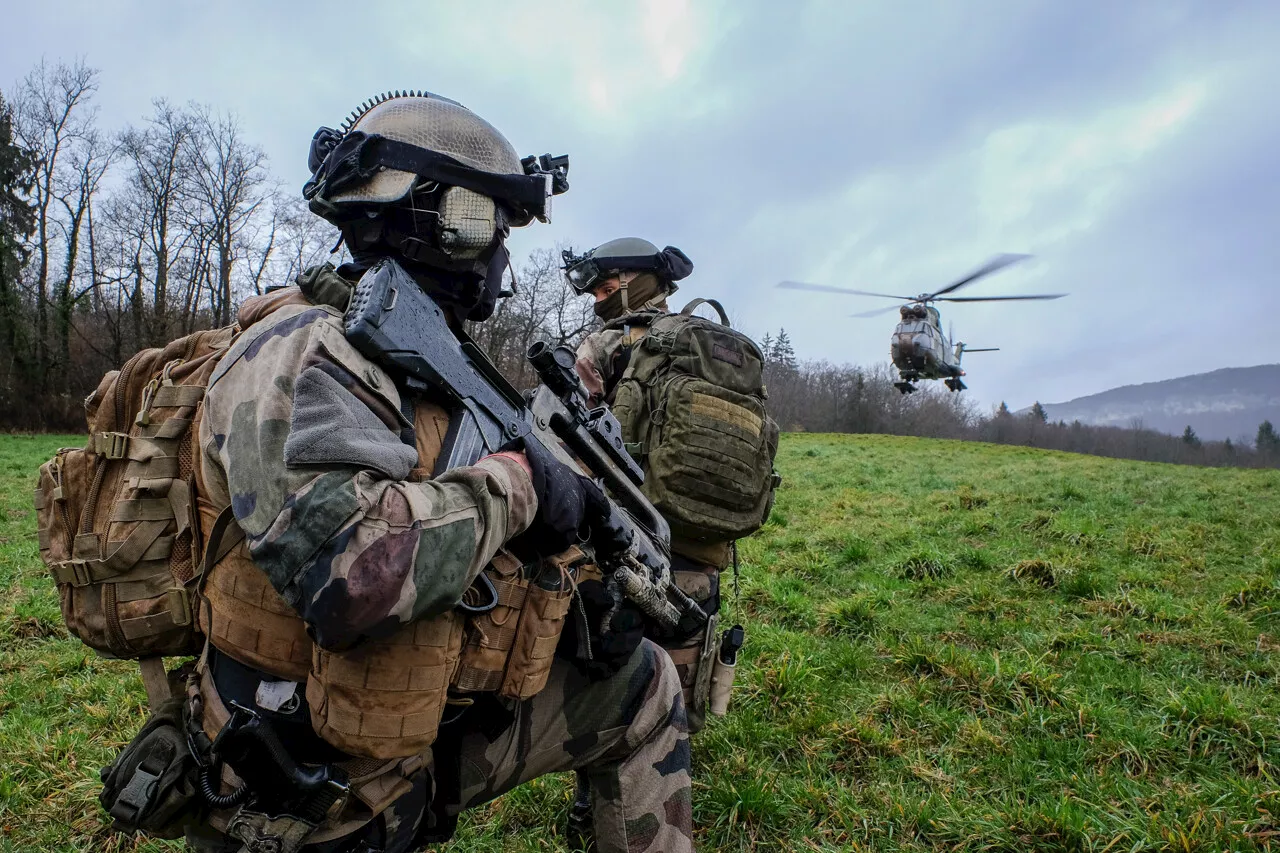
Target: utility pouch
[
  {"x": 151, "y": 786},
  {"x": 491, "y": 629},
  {"x": 542, "y": 620},
  {"x": 697, "y": 710}
]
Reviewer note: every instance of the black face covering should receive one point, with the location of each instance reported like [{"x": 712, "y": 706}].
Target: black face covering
[
  {"x": 464, "y": 296},
  {"x": 467, "y": 288}
]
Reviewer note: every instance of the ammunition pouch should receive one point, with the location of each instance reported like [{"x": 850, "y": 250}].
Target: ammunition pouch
[{"x": 151, "y": 787}]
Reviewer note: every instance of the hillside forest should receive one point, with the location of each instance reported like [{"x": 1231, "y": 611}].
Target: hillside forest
[{"x": 116, "y": 239}]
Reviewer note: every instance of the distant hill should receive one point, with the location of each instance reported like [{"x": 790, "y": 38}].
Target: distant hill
[{"x": 1226, "y": 403}]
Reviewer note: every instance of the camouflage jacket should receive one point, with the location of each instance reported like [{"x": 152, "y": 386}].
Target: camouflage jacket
[
  {"x": 600, "y": 355},
  {"x": 301, "y": 436}
]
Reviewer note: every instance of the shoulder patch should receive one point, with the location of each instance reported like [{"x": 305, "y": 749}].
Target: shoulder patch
[{"x": 332, "y": 426}]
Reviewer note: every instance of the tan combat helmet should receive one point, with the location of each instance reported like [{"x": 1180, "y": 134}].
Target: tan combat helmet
[{"x": 422, "y": 178}]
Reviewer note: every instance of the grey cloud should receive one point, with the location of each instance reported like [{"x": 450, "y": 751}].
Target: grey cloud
[{"x": 827, "y": 140}]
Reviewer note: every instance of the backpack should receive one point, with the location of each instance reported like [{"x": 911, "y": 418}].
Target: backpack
[
  {"x": 691, "y": 406},
  {"x": 118, "y": 528}
]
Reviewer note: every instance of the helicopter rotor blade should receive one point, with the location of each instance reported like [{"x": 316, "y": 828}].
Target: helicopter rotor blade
[
  {"x": 875, "y": 313},
  {"x": 997, "y": 263},
  {"x": 825, "y": 288},
  {"x": 982, "y": 349},
  {"x": 999, "y": 298}
]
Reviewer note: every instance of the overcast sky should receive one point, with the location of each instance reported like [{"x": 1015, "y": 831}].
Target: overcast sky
[{"x": 1132, "y": 147}]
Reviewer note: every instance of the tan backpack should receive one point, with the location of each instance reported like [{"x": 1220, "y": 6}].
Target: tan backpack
[{"x": 117, "y": 523}]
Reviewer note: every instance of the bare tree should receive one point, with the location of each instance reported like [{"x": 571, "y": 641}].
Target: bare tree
[
  {"x": 230, "y": 185},
  {"x": 87, "y": 163},
  {"x": 150, "y": 209},
  {"x": 52, "y": 116}
]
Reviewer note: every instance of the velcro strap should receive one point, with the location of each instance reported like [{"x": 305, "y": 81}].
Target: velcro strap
[
  {"x": 174, "y": 396},
  {"x": 135, "y": 797},
  {"x": 44, "y": 538},
  {"x": 40, "y": 500},
  {"x": 178, "y": 614},
  {"x": 172, "y": 428},
  {"x": 143, "y": 509}
]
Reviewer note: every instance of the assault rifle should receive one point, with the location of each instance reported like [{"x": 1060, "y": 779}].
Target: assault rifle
[{"x": 395, "y": 324}]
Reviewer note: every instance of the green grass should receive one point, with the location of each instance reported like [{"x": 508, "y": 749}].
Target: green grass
[{"x": 951, "y": 646}]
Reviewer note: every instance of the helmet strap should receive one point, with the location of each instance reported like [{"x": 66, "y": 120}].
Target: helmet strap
[{"x": 624, "y": 279}]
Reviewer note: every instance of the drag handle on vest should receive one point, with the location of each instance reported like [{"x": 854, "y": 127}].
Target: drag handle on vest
[
  {"x": 276, "y": 782},
  {"x": 725, "y": 668}
]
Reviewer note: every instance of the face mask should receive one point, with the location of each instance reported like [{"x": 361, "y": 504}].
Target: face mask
[{"x": 641, "y": 292}]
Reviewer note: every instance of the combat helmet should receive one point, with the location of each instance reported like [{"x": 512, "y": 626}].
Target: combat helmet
[
  {"x": 422, "y": 178},
  {"x": 627, "y": 254}
]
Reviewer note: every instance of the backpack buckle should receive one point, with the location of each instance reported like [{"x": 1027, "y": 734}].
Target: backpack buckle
[
  {"x": 112, "y": 445},
  {"x": 78, "y": 569}
]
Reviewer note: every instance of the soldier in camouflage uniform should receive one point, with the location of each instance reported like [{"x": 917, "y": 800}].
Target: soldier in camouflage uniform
[
  {"x": 630, "y": 280},
  {"x": 326, "y": 465}
]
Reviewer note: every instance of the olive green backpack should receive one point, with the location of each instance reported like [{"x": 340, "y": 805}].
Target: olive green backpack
[{"x": 691, "y": 406}]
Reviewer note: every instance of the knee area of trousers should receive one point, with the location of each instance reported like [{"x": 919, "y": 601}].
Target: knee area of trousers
[{"x": 665, "y": 693}]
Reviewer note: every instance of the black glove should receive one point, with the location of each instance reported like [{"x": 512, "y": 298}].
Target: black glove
[{"x": 566, "y": 501}]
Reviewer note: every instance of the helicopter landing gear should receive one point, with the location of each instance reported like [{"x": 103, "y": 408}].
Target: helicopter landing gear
[
  {"x": 955, "y": 384},
  {"x": 904, "y": 387}
]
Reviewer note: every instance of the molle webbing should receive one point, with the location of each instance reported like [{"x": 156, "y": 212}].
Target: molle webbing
[
  {"x": 116, "y": 526},
  {"x": 385, "y": 698},
  {"x": 246, "y": 619}
]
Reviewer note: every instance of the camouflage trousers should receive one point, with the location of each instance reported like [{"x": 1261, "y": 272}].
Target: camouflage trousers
[{"x": 628, "y": 733}]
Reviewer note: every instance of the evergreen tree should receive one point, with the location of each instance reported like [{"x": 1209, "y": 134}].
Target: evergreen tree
[
  {"x": 1190, "y": 438},
  {"x": 766, "y": 347},
  {"x": 1003, "y": 411},
  {"x": 783, "y": 353},
  {"x": 1039, "y": 414},
  {"x": 17, "y": 220},
  {"x": 1268, "y": 442},
  {"x": 1228, "y": 446}
]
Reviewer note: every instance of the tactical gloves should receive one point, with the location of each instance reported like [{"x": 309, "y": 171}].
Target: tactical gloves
[{"x": 566, "y": 501}]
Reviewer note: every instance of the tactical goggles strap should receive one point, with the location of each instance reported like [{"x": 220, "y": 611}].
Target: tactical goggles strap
[{"x": 359, "y": 156}]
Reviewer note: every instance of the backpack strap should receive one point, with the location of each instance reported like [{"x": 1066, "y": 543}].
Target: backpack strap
[
  {"x": 223, "y": 536},
  {"x": 687, "y": 311}
]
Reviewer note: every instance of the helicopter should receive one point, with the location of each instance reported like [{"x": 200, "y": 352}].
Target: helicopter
[{"x": 919, "y": 348}]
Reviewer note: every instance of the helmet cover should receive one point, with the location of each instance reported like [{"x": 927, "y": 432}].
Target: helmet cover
[{"x": 625, "y": 254}]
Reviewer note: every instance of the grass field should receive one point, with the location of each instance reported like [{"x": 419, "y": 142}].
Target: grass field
[{"x": 950, "y": 647}]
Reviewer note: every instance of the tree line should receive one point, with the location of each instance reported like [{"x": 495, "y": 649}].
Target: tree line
[
  {"x": 116, "y": 239},
  {"x": 112, "y": 240},
  {"x": 817, "y": 396}
]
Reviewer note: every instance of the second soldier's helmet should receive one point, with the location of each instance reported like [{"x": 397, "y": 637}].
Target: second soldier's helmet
[
  {"x": 626, "y": 254},
  {"x": 423, "y": 178}
]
